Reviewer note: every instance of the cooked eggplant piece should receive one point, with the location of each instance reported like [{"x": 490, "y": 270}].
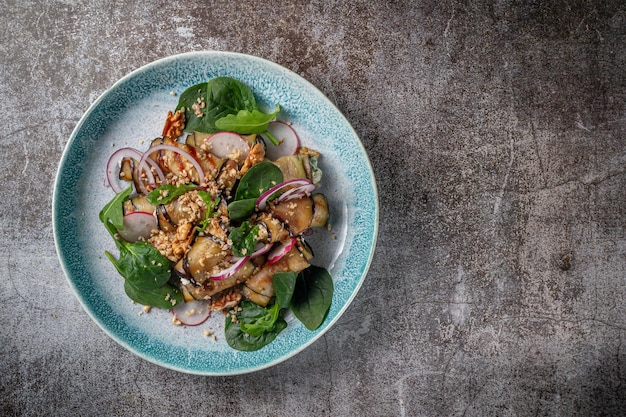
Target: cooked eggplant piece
[
  {"x": 211, "y": 287},
  {"x": 202, "y": 257},
  {"x": 320, "y": 210},
  {"x": 295, "y": 214},
  {"x": 291, "y": 166},
  {"x": 259, "y": 288},
  {"x": 275, "y": 230},
  {"x": 139, "y": 203}
]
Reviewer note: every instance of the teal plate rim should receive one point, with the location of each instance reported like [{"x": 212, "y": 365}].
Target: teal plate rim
[{"x": 353, "y": 194}]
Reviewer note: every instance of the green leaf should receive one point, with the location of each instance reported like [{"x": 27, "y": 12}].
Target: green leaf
[
  {"x": 218, "y": 98},
  {"x": 142, "y": 264},
  {"x": 259, "y": 178},
  {"x": 312, "y": 296},
  {"x": 284, "y": 284},
  {"x": 250, "y": 317},
  {"x": 246, "y": 122},
  {"x": 242, "y": 209},
  {"x": 210, "y": 211},
  {"x": 261, "y": 321},
  {"x": 165, "y": 193},
  {"x": 244, "y": 238},
  {"x": 166, "y": 296},
  {"x": 113, "y": 211}
]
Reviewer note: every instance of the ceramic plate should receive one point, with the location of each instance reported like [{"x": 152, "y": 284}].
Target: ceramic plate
[{"x": 131, "y": 113}]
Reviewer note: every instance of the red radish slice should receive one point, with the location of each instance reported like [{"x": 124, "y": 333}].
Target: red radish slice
[
  {"x": 296, "y": 192},
  {"x": 280, "y": 250},
  {"x": 227, "y": 144},
  {"x": 260, "y": 249},
  {"x": 138, "y": 225},
  {"x": 230, "y": 271},
  {"x": 261, "y": 202},
  {"x": 113, "y": 167},
  {"x": 288, "y": 141},
  {"x": 192, "y": 313},
  {"x": 172, "y": 148}
]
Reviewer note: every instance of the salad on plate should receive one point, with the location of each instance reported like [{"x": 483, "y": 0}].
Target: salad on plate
[{"x": 214, "y": 215}]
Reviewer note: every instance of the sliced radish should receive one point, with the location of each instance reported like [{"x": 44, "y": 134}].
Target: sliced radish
[
  {"x": 138, "y": 225},
  {"x": 261, "y": 202},
  {"x": 230, "y": 271},
  {"x": 280, "y": 250},
  {"x": 227, "y": 144},
  {"x": 192, "y": 313},
  {"x": 288, "y": 141},
  {"x": 260, "y": 249}
]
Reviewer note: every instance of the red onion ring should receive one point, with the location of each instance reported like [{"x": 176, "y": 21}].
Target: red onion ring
[
  {"x": 261, "y": 202},
  {"x": 172, "y": 148},
  {"x": 113, "y": 167},
  {"x": 230, "y": 271}
]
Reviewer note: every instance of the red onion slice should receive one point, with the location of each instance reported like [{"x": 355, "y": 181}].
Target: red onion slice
[
  {"x": 280, "y": 250},
  {"x": 192, "y": 313},
  {"x": 261, "y": 202},
  {"x": 296, "y": 192},
  {"x": 176, "y": 149},
  {"x": 260, "y": 249},
  {"x": 230, "y": 271},
  {"x": 113, "y": 167}
]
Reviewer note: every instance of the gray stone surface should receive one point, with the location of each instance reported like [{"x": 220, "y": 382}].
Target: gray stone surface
[{"x": 496, "y": 132}]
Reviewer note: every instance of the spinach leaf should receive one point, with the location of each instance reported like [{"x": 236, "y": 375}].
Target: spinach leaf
[
  {"x": 214, "y": 100},
  {"x": 284, "y": 284},
  {"x": 165, "y": 193},
  {"x": 312, "y": 296},
  {"x": 187, "y": 99},
  {"x": 142, "y": 264},
  {"x": 246, "y": 122},
  {"x": 113, "y": 211},
  {"x": 244, "y": 238},
  {"x": 260, "y": 321},
  {"x": 145, "y": 270},
  {"x": 242, "y": 209},
  {"x": 166, "y": 296},
  {"x": 250, "y": 315},
  {"x": 259, "y": 178}
]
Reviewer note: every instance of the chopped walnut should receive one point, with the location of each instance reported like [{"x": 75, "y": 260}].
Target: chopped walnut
[
  {"x": 226, "y": 300},
  {"x": 256, "y": 155},
  {"x": 174, "y": 124}
]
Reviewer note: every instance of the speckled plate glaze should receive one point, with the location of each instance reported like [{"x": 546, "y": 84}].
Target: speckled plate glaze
[{"x": 131, "y": 113}]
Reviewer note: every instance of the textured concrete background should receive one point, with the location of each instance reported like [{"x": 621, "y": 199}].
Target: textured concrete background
[{"x": 496, "y": 132}]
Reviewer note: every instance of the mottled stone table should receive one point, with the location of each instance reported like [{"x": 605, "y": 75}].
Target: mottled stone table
[{"x": 496, "y": 131}]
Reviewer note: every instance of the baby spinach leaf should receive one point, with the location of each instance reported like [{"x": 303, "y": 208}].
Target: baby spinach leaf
[
  {"x": 261, "y": 321},
  {"x": 244, "y": 238},
  {"x": 165, "y": 193},
  {"x": 166, "y": 296},
  {"x": 141, "y": 264},
  {"x": 187, "y": 99},
  {"x": 212, "y": 101},
  {"x": 259, "y": 178},
  {"x": 284, "y": 284},
  {"x": 113, "y": 211},
  {"x": 246, "y": 122},
  {"x": 250, "y": 315},
  {"x": 242, "y": 209},
  {"x": 312, "y": 296}
]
